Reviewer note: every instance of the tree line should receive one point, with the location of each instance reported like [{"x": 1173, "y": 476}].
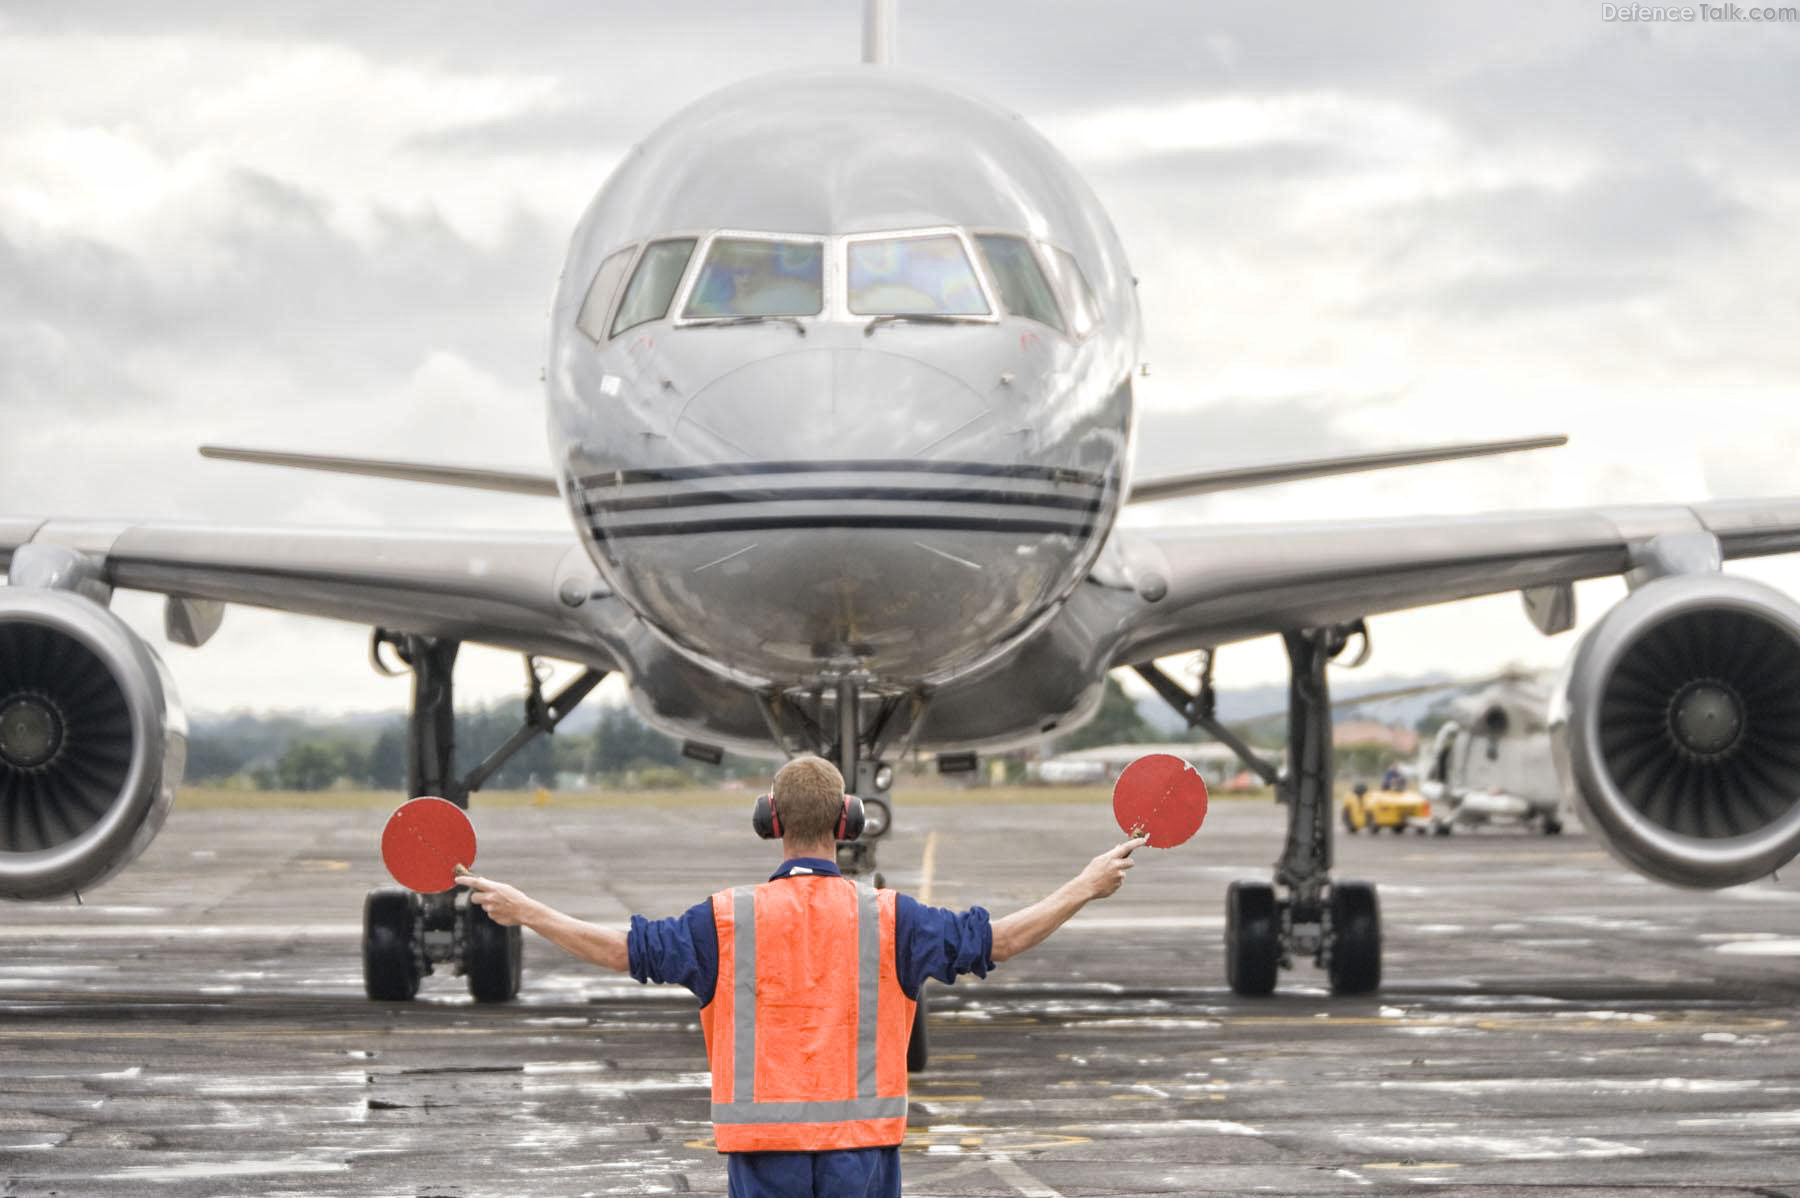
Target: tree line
[{"x": 285, "y": 752}]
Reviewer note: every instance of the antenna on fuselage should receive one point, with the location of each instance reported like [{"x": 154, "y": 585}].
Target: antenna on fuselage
[{"x": 878, "y": 32}]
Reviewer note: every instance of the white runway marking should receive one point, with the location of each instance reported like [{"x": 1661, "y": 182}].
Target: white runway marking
[
  {"x": 1111, "y": 923},
  {"x": 1760, "y": 948},
  {"x": 191, "y": 1170},
  {"x": 997, "y": 1163},
  {"x": 1009, "y": 1171},
  {"x": 1519, "y": 1147}
]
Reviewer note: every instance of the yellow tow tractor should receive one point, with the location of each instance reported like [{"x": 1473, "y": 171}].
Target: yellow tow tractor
[{"x": 1394, "y": 810}]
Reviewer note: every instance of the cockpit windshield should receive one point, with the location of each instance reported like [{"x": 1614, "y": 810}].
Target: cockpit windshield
[
  {"x": 913, "y": 276},
  {"x": 746, "y": 276},
  {"x": 1023, "y": 288}
]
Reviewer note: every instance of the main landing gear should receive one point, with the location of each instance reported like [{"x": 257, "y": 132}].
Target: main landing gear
[
  {"x": 1305, "y": 913},
  {"x": 406, "y": 935}
]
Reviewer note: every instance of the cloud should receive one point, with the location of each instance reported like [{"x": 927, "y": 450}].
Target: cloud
[{"x": 337, "y": 227}]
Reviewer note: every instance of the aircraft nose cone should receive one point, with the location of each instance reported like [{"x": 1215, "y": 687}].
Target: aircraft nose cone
[{"x": 833, "y": 403}]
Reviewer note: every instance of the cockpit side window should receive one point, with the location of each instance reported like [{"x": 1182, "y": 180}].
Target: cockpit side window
[
  {"x": 1078, "y": 297},
  {"x": 913, "y": 276},
  {"x": 592, "y": 319},
  {"x": 1023, "y": 288},
  {"x": 653, "y": 284},
  {"x": 745, "y": 276}
]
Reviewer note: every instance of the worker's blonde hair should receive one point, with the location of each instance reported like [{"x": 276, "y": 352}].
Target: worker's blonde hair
[{"x": 809, "y": 798}]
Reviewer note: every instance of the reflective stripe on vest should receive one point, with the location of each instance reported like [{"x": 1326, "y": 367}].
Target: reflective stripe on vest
[{"x": 864, "y": 1118}]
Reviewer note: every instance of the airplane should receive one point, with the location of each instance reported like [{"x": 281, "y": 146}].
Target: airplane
[
  {"x": 840, "y": 401},
  {"x": 1492, "y": 761}
]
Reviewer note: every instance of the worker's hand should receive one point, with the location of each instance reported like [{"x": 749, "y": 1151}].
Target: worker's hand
[
  {"x": 506, "y": 905},
  {"x": 1106, "y": 873}
]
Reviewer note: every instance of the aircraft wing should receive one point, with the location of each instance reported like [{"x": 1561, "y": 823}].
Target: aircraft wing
[
  {"x": 1227, "y": 583},
  {"x": 494, "y": 588}
]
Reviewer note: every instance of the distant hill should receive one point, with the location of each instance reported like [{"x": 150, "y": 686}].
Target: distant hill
[{"x": 1247, "y": 702}]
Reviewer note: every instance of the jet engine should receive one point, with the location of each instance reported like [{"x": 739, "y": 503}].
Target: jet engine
[
  {"x": 92, "y": 743},
  {"x": 1677, "y": 727}
]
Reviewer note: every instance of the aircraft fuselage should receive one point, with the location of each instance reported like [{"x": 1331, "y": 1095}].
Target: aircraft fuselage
[{"x": 840, "y": 381}]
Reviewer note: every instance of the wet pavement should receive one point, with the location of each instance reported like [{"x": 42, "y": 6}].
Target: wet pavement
[{"x": 1549, "y": 1023}]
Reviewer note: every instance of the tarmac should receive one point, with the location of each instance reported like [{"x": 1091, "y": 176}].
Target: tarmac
[{"x": 1549, "y": 1023}]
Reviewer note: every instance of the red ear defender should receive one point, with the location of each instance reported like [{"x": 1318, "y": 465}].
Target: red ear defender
[
  {"x": 764, "y": 818},
  {"x": 850, "y": 822}
]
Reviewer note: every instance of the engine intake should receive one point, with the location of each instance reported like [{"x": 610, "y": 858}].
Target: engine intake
[
  {"x": 92, "y": 743},
  {"x": 1678, "y": 728}
]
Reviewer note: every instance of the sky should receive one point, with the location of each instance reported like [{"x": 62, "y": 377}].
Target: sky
[{"x": 336, "y": 228}]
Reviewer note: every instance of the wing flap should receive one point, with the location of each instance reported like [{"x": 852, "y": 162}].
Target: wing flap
[
  {"x": 1233, "y": 583},
  {"x": 492, "y": 588}
]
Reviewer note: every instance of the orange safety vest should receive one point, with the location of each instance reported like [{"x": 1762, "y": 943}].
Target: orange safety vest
[{"x": 807, "y": 1029}]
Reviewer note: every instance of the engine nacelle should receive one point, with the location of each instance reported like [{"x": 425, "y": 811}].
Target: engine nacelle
[
  {"x": 1677, "y": 728},
  {"x": 92, "y": 743}
]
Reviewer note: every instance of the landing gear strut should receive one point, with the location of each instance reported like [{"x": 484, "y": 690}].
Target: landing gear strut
[
  {"x": 855, "y": 743},
  {"x": 1337, "y": 924},
  {"x": 405, "y": 934}
]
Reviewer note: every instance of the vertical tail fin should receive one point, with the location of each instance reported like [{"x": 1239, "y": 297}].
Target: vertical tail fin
[{"x": 878, "y": 32}]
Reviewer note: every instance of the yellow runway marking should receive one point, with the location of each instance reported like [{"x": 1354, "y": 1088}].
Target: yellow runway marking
[{"x": 927, "y": 867}]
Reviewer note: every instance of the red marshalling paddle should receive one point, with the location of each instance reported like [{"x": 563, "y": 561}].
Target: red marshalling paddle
[
  {"x": 426, "y": 843},
  {"x": 1162, "y": 797}
]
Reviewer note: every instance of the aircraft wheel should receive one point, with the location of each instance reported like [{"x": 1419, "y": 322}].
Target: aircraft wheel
[
  {"x": 1552, "y": 827},
  {"x": 493, "y": 956},
  {"x": 1442, "y": 829},
  {"x": 918, "y": 1045},
  {"x": 1355, "y": 938},
  {"x": 390, "y": 958},
  {"x": 1252, "y": 938}
]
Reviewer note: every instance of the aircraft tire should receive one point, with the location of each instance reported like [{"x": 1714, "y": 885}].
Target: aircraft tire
[
  {"x": 493, "y": 957},
  {"x": 390, "y": 959},
  {"x": 918, "y": 1044},
  {"x": 1441, "y": 829},
  {"x": 1252, "y": 938},
  {"x": 1355, "y": 938},
  {"x": 1552, "y": 827}
]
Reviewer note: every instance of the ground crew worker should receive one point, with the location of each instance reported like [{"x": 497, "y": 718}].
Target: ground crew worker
[{"x": 807, "y": 986}]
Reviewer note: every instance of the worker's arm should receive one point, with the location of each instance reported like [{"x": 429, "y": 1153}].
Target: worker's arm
[
  {"x": 510, "y": 907},
  {"x": 1031, "y": 927}
]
